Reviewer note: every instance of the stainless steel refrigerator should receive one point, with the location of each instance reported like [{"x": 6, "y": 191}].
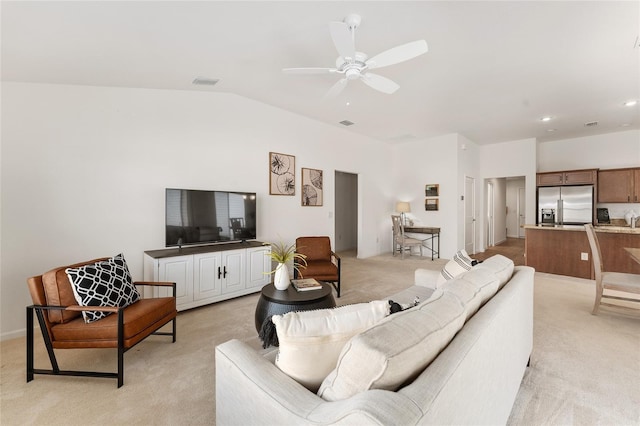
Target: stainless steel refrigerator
[{"x": 565, "y": 205}]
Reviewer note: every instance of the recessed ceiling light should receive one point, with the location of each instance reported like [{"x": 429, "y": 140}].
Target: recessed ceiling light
[
  {"x": 546, "y": 118},
  {"x": 631, "y": 103},
  {"x": 551, "y": 130}
]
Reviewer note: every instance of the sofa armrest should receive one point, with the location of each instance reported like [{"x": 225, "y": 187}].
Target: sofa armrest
[
  {"x": 252, "y": 390},
  {"x": 426, "y": 277}
]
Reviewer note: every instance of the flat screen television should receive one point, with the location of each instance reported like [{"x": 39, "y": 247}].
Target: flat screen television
[{"x": 205, "y": 217}]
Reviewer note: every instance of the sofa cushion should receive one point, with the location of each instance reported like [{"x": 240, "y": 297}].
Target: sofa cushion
[
  {"x": 499, "y": 265},
  {"x": 104, "y": 283},
  {"x": 310, "y": 341},
  {"x": 395, "y": 350},
  {"x": 473, "y": 288},
  {"x": 461, "y": 262}
]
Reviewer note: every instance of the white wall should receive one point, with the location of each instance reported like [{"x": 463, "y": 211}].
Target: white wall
[
  {"x": 510, "y": 159},
  {"x": 84, "y": 171},
  {"x": 421, "y": 162},
  {"x": 608, "y": 151}
]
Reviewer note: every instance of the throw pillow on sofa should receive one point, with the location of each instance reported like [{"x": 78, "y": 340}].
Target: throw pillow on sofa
[
  {"x": 311, "y": 341},
  {"x": 461, "y": 262},
  {"x": 396, "y": 349},
  {"x": 105, "y": 283}
]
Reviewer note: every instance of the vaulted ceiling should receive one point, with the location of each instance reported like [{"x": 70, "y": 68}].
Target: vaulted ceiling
[{"x": 493, "y": 69}]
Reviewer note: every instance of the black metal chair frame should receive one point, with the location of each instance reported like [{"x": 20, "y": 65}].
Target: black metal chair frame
[{"x": 55, "y": 369}]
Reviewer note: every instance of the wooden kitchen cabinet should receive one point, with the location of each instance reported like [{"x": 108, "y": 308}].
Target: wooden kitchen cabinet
[
  {"x": 569, "y": 177},
  {"x": 619, "y": 186}
]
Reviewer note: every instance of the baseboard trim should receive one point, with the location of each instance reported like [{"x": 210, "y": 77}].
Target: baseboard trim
[{"x": 13, "y": 334}]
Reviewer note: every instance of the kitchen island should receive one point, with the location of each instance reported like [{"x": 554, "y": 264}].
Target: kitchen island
[{"x": 564, "y": 249}]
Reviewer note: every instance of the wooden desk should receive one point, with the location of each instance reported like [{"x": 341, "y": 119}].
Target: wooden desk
[
  {"x": 434, "y": 233},
  {"x": 634, "y": 252}
]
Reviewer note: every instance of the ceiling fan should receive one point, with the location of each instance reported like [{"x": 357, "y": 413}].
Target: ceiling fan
[{"x": 355, "y": 65}]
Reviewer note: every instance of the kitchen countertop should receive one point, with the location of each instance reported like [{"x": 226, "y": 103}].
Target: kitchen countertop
[{"x": 599, "y": 228}]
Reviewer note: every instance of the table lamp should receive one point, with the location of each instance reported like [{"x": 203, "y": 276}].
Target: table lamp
[{"x": 403, "y": 207}]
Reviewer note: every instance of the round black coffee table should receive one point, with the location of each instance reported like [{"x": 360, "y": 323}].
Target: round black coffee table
[{"x": 279, "y": 302}]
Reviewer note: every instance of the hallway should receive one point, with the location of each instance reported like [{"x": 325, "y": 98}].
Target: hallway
[{"x": 513, "y": 248}]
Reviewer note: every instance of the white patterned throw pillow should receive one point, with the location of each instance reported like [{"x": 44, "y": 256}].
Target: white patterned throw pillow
[
  {"x": 105, "y": 283},
  {"x": 461, "y": 262}
]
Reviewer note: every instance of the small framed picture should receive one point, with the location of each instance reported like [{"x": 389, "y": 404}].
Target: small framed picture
[
  {"x": 431, "y": 190},
  {"x": 311, "y": 187},
  {"x": 282, "y": 174},
  {"x": 431, "y": 204}
]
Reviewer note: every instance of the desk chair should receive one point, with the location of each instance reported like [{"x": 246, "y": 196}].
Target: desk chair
[
  {"x": 618, "y": 281},
  {"x": 400, "y": 241}
]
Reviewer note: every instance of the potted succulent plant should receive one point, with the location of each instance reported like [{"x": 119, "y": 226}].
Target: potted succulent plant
[{"x": 283, "y": 254}]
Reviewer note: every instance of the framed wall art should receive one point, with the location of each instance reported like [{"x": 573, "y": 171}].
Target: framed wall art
[
  {"x": 432, "y": 190},
  {"x": 311, "y": 187},
  {"x": 431, "y": 204},
  {"x": 282, "y": 174}
]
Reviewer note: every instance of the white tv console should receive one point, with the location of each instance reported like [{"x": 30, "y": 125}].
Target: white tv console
[{"x": 209, "y": 274}]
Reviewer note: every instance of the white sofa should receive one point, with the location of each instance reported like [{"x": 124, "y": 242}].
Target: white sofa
[{"x": 473, "y": 380}]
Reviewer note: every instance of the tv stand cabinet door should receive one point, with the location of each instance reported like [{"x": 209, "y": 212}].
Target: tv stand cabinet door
[
  {"x": 258, "y": 267},
  {"x": 178, "y": 269},
  {"x": 206, "y": 282},
  {"x": 233, "y": 267}
]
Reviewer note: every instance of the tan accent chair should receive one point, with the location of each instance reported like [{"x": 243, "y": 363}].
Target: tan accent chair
[
  {"x": 400, "y": 241},
  {"x": 322, "y": 263},
  {"x": 618, "y": 281},
  {"x": 63, "y": 326}
]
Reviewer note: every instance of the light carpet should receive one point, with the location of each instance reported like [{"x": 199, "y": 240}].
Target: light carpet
[{"x": 584, "y": 369}]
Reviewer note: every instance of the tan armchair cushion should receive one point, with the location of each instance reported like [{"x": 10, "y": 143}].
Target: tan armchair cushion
[{"x": 138, "y": 317}]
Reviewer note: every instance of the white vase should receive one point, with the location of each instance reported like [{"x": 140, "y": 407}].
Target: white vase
[{"x": 281, "y": 277}]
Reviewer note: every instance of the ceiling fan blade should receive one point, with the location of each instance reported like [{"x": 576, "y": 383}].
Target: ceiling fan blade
[
  {"x": 398, "y": 54},
  {"x": 308, "y": 70},
  {"x": 380, "y": 83},
  {"x": 336, "y": 89},
  {"x": 343, "y": 39}
]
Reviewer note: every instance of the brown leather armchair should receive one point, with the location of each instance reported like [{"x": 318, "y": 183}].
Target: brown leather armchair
[
  {"x": 63, "y": 327},
  {"x": 322, "y": 263}
]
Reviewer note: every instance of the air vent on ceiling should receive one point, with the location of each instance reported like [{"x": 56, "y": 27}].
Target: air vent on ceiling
[
  {"x": 347, "y": 123},
  {"x": 591, "y": 124},
  {"x": 203, "y": 81}
]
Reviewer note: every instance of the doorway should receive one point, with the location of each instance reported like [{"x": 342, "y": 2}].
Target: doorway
[
  {"x": 521, "y": 211},
  {"x": 505, "y": 209},
  {"x": 346, "y": 212},
  {"x": 469, "y": 214},
  {"x": 490, "y": 212}
]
